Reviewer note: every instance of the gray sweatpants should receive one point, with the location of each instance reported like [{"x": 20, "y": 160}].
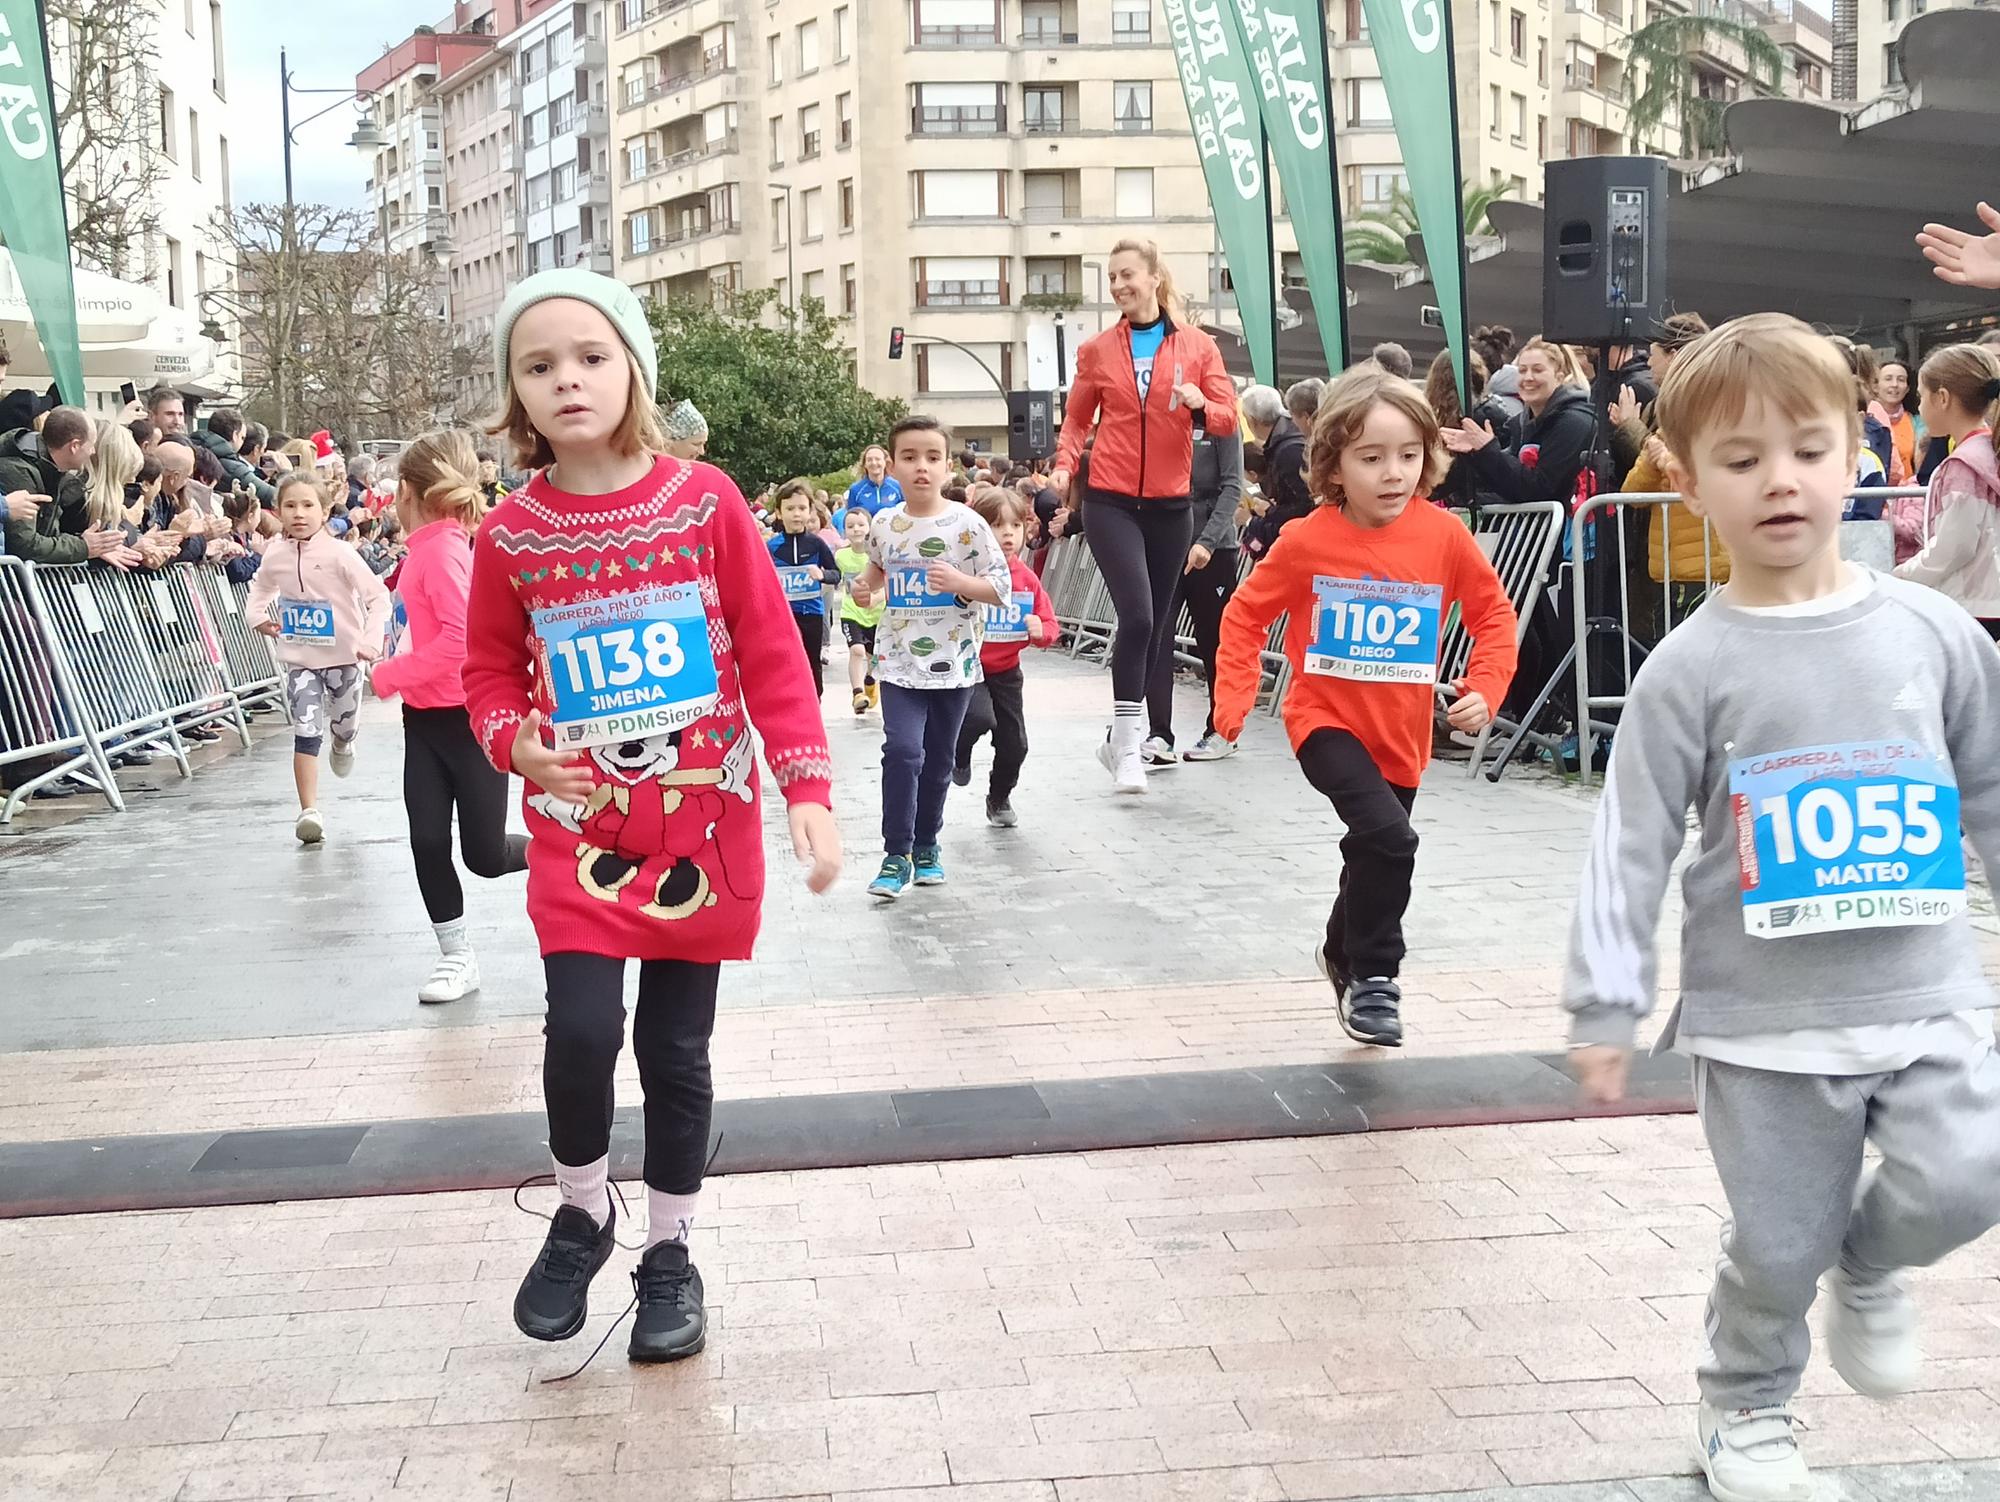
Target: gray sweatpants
[
  {"x": 322, "y": 699},
  {"x": 1788, "y": 1150}
]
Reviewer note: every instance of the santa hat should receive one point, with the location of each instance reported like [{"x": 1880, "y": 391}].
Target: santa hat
[{"x": 324, "y": 453}]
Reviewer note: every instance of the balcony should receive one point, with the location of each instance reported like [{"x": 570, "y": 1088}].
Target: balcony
[
  {"x": 1051, "y": 213},
  {"x": 591, "y": 53},
  {"x": 598, "y": 256},
  {"x": 597, "y": 188},
  {"x": 958, "y": 120},
  {"x": 958, "y": 36},
  {"x": 1048, "y": 35}
]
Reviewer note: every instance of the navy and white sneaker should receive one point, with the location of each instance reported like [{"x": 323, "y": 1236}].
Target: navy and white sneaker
[{"x": 1371, "y": 1011}]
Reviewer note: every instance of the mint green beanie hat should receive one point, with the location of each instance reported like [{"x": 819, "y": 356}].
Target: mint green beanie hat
[{"x": 613, "y": 299}]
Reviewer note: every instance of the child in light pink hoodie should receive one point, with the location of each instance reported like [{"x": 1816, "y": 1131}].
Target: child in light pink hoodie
[
  {"x": 327, "y": 612},
  {"x": 1961, "y": 552},
  {"x": 438, "y": 497}
]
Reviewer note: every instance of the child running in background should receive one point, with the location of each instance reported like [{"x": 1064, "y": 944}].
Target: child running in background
[
  {"x": 936, "y": 563},
  {"x": 1960, "y": 556},
  {"x": 327, "y": 612},
  {"x": 858, "y": 623},
  {"x": 1027, "y": 619},
  {"x": 805, "y": 566},
  {"x": 438, "y": 490},
  {"x": 1832, "y": 727},
  {"x": 1366, "y": 579},
  {"x": 621, "y": 643}
]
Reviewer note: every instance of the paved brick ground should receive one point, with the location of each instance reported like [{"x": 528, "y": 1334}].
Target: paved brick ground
[{"x": 1439, "y": 1312}]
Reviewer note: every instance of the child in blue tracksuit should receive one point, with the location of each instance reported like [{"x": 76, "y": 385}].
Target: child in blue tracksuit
[{"x": 805, "y": 564}]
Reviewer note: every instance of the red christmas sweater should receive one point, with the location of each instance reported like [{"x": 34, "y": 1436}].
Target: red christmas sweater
[{"x": 666, "y": 858}]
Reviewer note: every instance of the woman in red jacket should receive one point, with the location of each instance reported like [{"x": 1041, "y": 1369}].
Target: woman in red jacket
[{"x": 1143, "y": 385}]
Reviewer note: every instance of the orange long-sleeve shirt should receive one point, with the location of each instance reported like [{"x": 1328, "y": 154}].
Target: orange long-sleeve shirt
[{"x": 1423, "y": 546}]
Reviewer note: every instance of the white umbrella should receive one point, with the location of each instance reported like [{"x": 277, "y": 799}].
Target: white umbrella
[
  {"x": 108, "y": 311},
  {"x": 170, "y": 350}
]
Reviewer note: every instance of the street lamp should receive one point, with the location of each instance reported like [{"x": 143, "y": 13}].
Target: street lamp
[
  {"x": 367, "y": 134},
  {"x": 791, "y": 274}
]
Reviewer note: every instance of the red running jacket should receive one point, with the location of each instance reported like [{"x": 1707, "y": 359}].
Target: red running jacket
[{"x": 1143, "y": 450}]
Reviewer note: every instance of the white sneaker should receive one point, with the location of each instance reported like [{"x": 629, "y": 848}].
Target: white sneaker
[
  {"x": 341, "y": 758},
  {"x": 1211, "y": 747},
  {"x": 454, "y": 977},
  {"x": 1871, "y": 1334},
  {"x": 1750, "y": 1455},
  {"x": 1128, "y": 772},
  {"x": 309, "y": 829},
  {"x": 1157, "y": 751}
]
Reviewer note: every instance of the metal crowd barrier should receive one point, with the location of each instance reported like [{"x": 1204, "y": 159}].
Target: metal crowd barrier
[
  {"x": 1637, "y": 622},
  {"x": 99, "y": 661}
]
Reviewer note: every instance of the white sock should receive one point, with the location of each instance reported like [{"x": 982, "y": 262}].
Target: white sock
[
  {"x": 669, "y": 1217},
  {"x": 451, "y": 936},
  {"x": 1128, "y": 726},
  {"x": 588, "y": 1187}
]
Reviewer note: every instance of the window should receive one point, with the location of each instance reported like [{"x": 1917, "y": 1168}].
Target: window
[
  {"x": 960, "y": 282},
  {"x": 1047, "y": 196},
  {"x": 848, "y": 300},
  {"x": 635, "y": 160},
  {"x": 1131, "y": 23},
  {"x": 1542, "y": 137},
  {"x": 1041, "y": 23},
  {"x": 808, "y": 47},
  {"x": 1379, "y": 185},
  {"x": 1542, "y": 61},
  {"x": 167, "y": 147},
  {"x": 535, "y": 129},
  {"x": 808, "y": 132},
  {"x": 1893, "y": 9},
  {"x": 1892, "y": 67},
  {"x": 1493, "y": 26},
  {"x": 1517, "y": 36},
  {"x": 843, "y": 121},
  {"x": 1048, "y": 276},
  {"x": 1518, "y": 103},
  {"x": 538, "y": 193},
  {"x": 435, "y": 196},
  {"x": 174, "y": 288},
  {"x": 215, "y": 51},
  {"x": 781, "y": 221},
  {"x": 1357, "y": 21},
  {"x": 958, "y": 109},
  {"x": 953, "y": 194},
  {"x": 777, "y": 140},
  {"x": 847, "y": 203},
  {"x": 1132, "y": 192},
  {"x": 812, "y": 214},
  {"x": 1367, "y": 103},
  {"x": 200, "y": 273},
  {"x": 957, "y": 23},
  {"x": 1042, "y": 110},
  {"x": 562, "y": 115},
  {"x": 843, "y": 43},
  {"x": 194, "y": 144},
  {"x": 1132, "y": 107},
  {"x": 187, "y": 18},
  {"x": 532, "y": 62},
  {"x": 814, "y": 286},
  {"x": 222, "y": 168},
  {"x": 433, "y": 142},
  {"x": 774, "y": 59},
  {"x": 1493, "y": 112},
  {"x": 942, "y": 368},
  {"x": 563, "y": 182}
]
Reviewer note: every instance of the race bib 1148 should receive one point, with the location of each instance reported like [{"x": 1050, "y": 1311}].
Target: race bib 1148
[
  {"x": 1831, "y": 839},
  {"x": 626, "y": 668},
  {"x": 1376, "y": 630}
]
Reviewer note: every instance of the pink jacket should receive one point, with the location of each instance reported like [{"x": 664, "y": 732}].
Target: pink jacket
[
  {"x": 320, "y": 570},
  {"x": 433, "y": 585}
]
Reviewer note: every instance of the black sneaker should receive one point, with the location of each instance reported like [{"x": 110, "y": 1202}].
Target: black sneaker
[
  {"x": 555, "y": 1296},
  {"x": 670, "y": 1324},
  {"x": 1371, "y": 1012},
  {"x": 961, "y": 776},
  {"x": 1334, "y": 971}
]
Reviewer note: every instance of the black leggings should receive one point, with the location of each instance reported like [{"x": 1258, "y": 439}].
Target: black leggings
[
  {"x": 1141, "y": 551},
  {"x": 812, "y": 635},
  {"x": 1364, "y": 932},
  {"x": 1206, "y": 593},
  {"x": 442, "y": 766},
  {"x": 996, "y": 707},
  {"x": 583, "y": 1032}
]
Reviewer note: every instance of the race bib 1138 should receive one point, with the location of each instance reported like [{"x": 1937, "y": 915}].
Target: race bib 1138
[
  {"x": 1376, "y": 630},
  {"x": 1831, "y": 839},
  {"x": 626, "y": 668}
]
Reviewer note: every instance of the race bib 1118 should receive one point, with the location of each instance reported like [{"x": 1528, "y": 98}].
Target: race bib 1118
[
  {"x": 626, "y": 668},
  {"x": 1376, "y": 630},
  {"x": 1831, "y": 839},
  {"x": 1009, "y": 622}
]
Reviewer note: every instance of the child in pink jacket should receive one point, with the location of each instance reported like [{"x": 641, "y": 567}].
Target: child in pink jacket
[
  {"x": 438, "y": 497},
  {"x": 327, "y": 610}
]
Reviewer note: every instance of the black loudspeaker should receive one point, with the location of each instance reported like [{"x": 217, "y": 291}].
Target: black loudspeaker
[
  {"x": 1604, "y": 249},
  {"x": 1031, "y": 429}
]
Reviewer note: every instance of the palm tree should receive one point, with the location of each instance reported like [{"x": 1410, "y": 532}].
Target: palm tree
[
  {"x": 1380, "y": 237},
  {"x": 1664, "y": 50}
]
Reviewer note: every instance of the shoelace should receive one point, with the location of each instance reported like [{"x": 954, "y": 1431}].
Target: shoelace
[
  {"x": 668, "y": 1285},
  {"x": 1762, "y": 1433}
]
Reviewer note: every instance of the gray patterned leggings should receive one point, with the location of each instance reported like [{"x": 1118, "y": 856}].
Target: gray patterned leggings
[{"x": 319, "y": 698}]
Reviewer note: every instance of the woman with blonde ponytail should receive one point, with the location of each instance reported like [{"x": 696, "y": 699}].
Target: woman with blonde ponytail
[{"x": 440, "y": 502}]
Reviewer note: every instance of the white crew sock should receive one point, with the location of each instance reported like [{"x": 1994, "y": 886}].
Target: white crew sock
[
  {"x": 588, "y": 1187},
  {"x": 451, "y": 936},
  {"x": 1128, "y": 726},
  {"x": 669, "y": 1217}
]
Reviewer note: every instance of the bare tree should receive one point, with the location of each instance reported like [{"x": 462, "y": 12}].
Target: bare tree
[{"x": 107, "y": 113}]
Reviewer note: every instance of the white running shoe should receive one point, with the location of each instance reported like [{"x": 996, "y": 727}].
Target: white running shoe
[
  {"x": 1211, "y": 747},
  {"x": 1157, "y": 752},
  {"x": 454, "y": 977},
  {"x": 1751, "y": 1455},
  {"x": 342, "y": 758},
  {"x": 1128, "y": 773},
  {"x": 1871, "y": 1334},
  {"x": 309, "y": 829}
]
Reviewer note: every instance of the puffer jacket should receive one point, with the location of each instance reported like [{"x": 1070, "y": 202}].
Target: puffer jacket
[
  {"x": 1962, "y": 557},
  {"x": 1144, "y": 450},
  {"x": 1698, "y": 552}
]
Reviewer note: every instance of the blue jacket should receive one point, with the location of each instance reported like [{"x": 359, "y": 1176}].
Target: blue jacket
[
  {"x": 871, "y": 497},
  {"x": 790, "y": 549}
]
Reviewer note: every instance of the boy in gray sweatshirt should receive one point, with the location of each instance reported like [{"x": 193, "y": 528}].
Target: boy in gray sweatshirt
[{"x": 1833, "y": 727}]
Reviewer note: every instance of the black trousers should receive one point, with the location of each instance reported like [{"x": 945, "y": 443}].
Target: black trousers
[
  {"x": 1206, "y": 594},
  {"x": 583, "y": 1032},
  {"x": 1141, "y": 551},
  {"x": 1364, "y": 932},
  {"x": 444, "y": 768},
  {"x": 812, "y": 632},
  {"x": 996, "y": 708}
]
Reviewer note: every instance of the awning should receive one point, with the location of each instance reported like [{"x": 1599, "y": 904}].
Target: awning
[{"x": 108, "y": 310}]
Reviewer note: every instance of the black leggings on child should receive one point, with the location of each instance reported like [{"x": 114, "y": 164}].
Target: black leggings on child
[
  {"x": 996, "y": 707},
  {"x": 442, "y": 767},
  {"x": 1364, "y": 932},
  {"x": 812, "y": 632},
  {"x": 583, "y": 1032}
]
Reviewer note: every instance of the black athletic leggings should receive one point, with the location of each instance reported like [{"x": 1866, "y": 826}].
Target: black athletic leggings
[
  {"x": 582, "y": 1034},
  {"x": 443, "y": 766},
  {"x": 812, "y": 636},
  {"x": 1206, "y": 592},
  {"x": 1364, "y": 932},
  {"x": 1141, "y": 550}
]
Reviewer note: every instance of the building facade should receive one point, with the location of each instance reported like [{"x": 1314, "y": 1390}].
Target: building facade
[
  {"x": 1877, "y": 25},
  {"x": 563, "y": 92},
  {"x": 482, "y": 163}
]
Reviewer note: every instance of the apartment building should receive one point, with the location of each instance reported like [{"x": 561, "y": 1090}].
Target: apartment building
[
  {"x": 1877, "y": 25},
  {"x": 482, "y": 163},
  {"x": 565, "y": 161},
  {"x": 407, "y": 177}
]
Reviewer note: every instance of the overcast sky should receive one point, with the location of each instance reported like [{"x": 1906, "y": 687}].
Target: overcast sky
[{"x": 326, "y": 53}]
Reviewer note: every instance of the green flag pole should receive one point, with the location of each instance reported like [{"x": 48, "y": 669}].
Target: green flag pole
[{"x": 34, "y": 218}]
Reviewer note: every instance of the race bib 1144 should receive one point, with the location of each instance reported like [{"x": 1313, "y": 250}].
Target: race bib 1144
[
  {"x": 1376, "y": 630},
  {"x": 799, "y": 581},
  {"x": 1831, "y": 839},
  {"x": 626, "y": 668}
]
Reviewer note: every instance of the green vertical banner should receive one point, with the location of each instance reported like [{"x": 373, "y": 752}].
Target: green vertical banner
[
  {"x": 34, "y": 220},
  {"x": 1229, "y": 133},
  {"x": 1413, "y": 46},
  {"x": 1286, "y": 43}
]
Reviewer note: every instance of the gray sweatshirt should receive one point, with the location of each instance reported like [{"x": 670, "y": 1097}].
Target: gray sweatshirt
[{"x": 1825, "y": 755}]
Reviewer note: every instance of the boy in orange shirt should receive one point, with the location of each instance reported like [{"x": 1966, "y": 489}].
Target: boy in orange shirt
[{"x": 1366, "y": 581}]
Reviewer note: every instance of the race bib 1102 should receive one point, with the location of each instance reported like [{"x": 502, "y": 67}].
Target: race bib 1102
[
  {"x": 798, "y": 581},
  {"x": 626, "y": 668},
  {"x": 1009, "y": 622},
  {"x": 308, "y": 622},
  {"x": 1376, "y": 630},
  {"x": 1830, "y": 839}
]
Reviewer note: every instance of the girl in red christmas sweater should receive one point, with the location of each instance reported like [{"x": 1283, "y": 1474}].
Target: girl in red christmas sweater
[
  {"x": 1365, "y": 582},
  {"x": 625, "y": 629}
]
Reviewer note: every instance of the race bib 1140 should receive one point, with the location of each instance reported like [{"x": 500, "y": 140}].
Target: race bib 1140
[
  {"x": 309, "y": 622},
  {"x": 1376, "y": 630},
  {"x": 627, "y": 668},
  {"x": 1831, "y": 839}
]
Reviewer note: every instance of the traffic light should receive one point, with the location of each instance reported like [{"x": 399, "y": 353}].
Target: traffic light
[{"x": 896, "y": 343}]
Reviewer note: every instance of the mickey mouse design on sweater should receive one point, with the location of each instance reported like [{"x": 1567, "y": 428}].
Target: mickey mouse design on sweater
[{"x": 638, "y": 623}]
